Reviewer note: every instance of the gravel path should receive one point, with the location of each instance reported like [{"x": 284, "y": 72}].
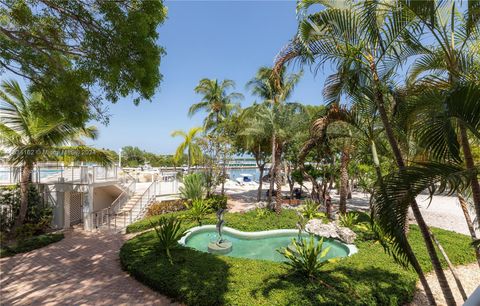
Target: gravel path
[{"x": 469, "y": 276}]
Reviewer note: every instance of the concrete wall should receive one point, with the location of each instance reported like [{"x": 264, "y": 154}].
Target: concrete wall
[{"x": 103, "y": 197}]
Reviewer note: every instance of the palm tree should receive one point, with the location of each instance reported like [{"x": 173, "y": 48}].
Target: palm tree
[
  {"x": 219, "y": 105},
  {"x": 216, "y": 101},
  {"x": 278, "y": 121},
  {"x": 32, "y": 137},
  {"x": 366, "y": 44},
  {"x": 454, "y": 59},
  {"x": 274, "y": 87},
  {"x": 189, "y": 144}
]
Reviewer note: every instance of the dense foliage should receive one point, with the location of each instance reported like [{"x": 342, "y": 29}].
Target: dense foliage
[
  {"x": 29, "y": 244},
  {"x": 70, "y": 49}
]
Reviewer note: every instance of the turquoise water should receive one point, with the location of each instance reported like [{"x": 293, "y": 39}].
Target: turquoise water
[
  {"x": 6, "y": 174},
  {"x": 260, "y": 248},
  {"x": 235, "y": 173}
]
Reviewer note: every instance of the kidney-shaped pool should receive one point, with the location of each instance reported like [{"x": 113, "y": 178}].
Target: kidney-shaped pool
[{"x": 258, "y": 245}]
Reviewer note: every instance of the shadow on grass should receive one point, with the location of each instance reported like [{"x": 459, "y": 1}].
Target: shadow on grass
[
  {"x": 195, "y": 278},
  {"x": 343, "y": 286}
]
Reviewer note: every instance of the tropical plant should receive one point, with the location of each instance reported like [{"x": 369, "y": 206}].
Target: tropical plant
[
  {"x": 198, "y": 210},
  {"x": 216, "y": 101},
  {"x": 305, "y": 256},
  {"x": 169, "y": 231},
  {"x": 189, "y": 144},
  {"x": 348, "y": 219},
  {"x": 193, "y": 187},
  {"x": 32, "y": 137},
  {"x": 311, "y": 210},
  {"x": 275, "y": 87},
  {"x": 374, "y": 41}
]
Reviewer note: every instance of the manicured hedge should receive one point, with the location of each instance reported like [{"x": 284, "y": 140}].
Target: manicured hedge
[
  {"x": 249, "y": 221},
  {"x": 30, "y": 244},
  {"x": 369, "y": 277}
]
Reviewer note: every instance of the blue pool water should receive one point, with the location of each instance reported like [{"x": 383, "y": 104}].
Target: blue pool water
[{"x": 260, "y": 248}]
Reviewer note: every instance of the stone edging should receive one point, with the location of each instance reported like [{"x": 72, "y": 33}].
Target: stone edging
[{"x": 352, "y": 249}]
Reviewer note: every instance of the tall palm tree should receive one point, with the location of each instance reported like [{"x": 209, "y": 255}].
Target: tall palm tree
[
  {"x": 453, "y": 59},
  {"x": 274, "y": 87},
  {"x": 366, "y": 43},
  {"x": 278, "y": 121},
  {"x": 32, "y": 138},
  {"x": 219, "y": 105},
  {"x": 189, "y": 144},
  {"x": 216, "y": 101}
]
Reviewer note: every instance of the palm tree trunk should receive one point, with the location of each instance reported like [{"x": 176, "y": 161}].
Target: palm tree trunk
[
  {"x": 450, "y": 267},
  {"x": 343, "y": 182},
  {"x": 271, "y": 173},
  {"x": 278, "y": 178},
  {"x": 24, "y": 182},
  {"x": 224, "y": 174},
  {"x": 442, "y": 279},
  {"x": 471, "y": 229},
  {"x": 260, "y": 183},
  {"x": 467, "y": 153}
]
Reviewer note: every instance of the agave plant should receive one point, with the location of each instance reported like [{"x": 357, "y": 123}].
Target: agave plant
[
  {"x": 306, "y": 257},
  {"x": 198, "y": 209},
  {"x": 193, "y": 187},
  {"x": 169, "y": 231}
]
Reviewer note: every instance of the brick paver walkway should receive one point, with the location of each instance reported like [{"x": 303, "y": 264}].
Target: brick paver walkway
[{"x": 82, "y": 269}]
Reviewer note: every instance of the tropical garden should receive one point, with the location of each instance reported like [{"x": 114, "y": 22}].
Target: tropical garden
[{"x": 401, "y": 118}]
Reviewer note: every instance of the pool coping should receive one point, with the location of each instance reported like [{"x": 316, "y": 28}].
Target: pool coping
[{"x": 352, "y": 249}]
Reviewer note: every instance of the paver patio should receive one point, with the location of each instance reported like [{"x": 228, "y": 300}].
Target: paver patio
[{"x": 82, "y": 269}]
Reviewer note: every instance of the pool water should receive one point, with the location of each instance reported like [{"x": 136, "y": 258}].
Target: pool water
[{"x": 261, "y": 248}]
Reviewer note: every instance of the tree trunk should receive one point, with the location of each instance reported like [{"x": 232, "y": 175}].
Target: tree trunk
[
  {"x": 224, "y": 173},
  {"x": 343, "y": 182},
  {"x": 291, "y": 183},
  {"x": 442, "y": 279},
  {"x": 260, "y": 183},
  {"x": 467, "y": 153},
  {"x": 24, "y": 183},
  {"x": 471, "y": 228},
  {"x": 278, "y": 178},
  {"x": 450, "y": 267},
  {"x": 271, "y": 173}
]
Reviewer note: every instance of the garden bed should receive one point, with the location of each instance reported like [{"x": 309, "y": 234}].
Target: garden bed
[
  {"x": 369, "y": 277},
  {"x": 30, "y": 244}
]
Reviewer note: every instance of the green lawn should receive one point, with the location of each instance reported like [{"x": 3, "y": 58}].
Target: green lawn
[
  {"x": 30, "y": 244},
  {"x": 369, "y": 277}
]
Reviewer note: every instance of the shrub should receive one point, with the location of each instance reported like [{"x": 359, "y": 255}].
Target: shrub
[
  {"x": 37, "y": 219},
  {"x": 163, "y": 207},
  {"x": 217, "y": 201},
  {"x": 349, "y": 219},
  {"x": 310, "y": 210},
  {"x": 30, "y": 244},
  {"x": 193, "y": 187},
  {"x": 169, "y": 231},
  {"x": 198, "y": 210},
  {"x": 305, "y": 257}
]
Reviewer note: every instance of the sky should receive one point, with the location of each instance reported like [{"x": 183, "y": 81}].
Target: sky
[{"x": 205, "y": 39}]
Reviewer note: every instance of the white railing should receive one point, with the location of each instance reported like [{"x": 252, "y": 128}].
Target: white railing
[{"x": 53, "y": 174}]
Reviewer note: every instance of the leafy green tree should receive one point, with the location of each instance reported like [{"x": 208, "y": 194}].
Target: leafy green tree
[
  {"x": 132, "y": 156},
  {"x": 70, "y": 49},
  {"x": 32, "y": 137},
  {"x": 189, "y": 144}
]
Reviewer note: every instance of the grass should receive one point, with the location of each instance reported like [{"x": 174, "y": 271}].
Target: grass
[
  {"x": 369, "y": 277},
  {"x": 30, "y": 244}
]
